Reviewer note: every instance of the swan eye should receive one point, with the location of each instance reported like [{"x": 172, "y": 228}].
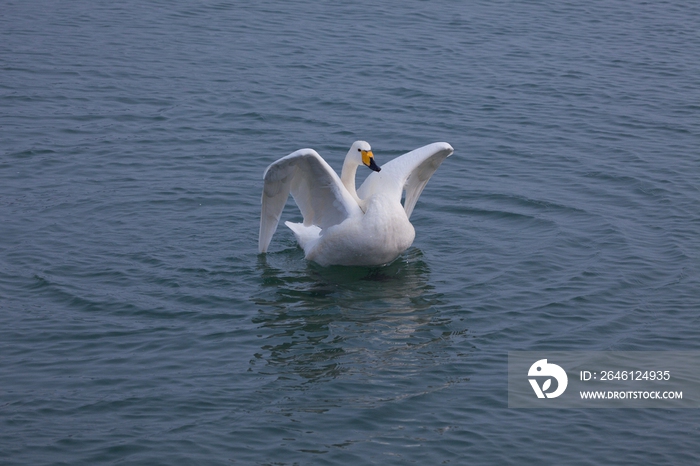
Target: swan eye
[{"x": 359, "y": 150}]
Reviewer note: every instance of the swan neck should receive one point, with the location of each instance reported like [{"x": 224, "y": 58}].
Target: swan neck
[{"x": 347, "y": 176}]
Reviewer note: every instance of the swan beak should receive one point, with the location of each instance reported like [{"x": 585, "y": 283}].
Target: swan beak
[{"x": 368, "y": 159}]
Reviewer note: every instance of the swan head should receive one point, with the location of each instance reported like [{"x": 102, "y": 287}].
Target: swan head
[{"x": 361, "y": 153}]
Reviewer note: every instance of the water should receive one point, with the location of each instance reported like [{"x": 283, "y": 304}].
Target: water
[{"x": 140, "y": 326}]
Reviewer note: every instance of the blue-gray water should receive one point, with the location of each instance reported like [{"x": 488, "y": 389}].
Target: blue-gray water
[{"x": 138, "y": 324}]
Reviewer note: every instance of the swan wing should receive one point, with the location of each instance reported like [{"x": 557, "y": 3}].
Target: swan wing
[
  {"x": 316, "y": 188},
  {"x": 409, "y": 172}
]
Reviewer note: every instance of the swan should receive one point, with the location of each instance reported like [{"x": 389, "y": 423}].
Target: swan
[{"x": 344, "y": 226}]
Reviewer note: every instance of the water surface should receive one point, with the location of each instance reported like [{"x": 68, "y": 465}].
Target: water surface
[{"x": 138, "y": 324}]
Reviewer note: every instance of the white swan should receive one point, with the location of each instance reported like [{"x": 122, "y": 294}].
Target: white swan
[{"x": 343, "y": 226}]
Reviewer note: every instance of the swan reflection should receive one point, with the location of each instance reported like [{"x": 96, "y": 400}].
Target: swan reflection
[{"x": 324, "y": 322}]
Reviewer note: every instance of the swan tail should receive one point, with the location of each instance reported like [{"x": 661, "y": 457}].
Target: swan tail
[{"x": 306, "y": 235}]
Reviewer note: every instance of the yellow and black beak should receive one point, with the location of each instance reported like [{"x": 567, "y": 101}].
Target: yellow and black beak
[{"x": 368, "y": 159}]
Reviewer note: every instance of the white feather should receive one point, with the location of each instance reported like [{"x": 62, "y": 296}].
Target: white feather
[{"x": 341, "y": 226}]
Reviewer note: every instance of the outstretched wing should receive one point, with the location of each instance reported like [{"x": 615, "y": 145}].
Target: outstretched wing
[
  {"x": 316, "y": 188},
  {"x": 409, "y": 172}
]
